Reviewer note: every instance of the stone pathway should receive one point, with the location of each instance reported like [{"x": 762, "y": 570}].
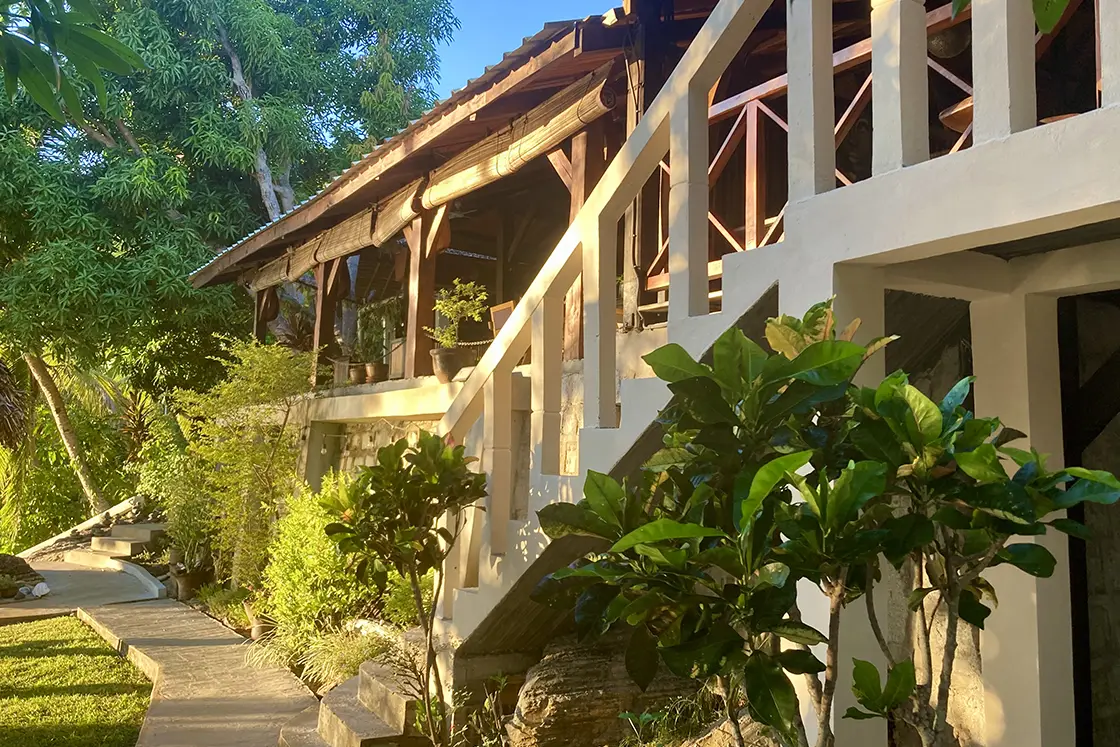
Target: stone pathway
[
  {"x": 205, "y": 694},
  {"x": 74, "y": 586}
]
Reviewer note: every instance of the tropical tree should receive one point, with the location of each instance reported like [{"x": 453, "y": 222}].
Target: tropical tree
[{"x": 242, "y": 108}]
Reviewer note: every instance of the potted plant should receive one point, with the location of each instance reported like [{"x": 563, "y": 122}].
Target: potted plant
[
  {"x": 377, "y": 322},
  {"x": 454, "y": 304}
]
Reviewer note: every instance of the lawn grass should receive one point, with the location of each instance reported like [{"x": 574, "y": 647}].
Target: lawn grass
[{"x": 61, "y": 685}]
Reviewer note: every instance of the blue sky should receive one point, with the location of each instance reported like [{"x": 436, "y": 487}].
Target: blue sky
[{"x": 493, "y": 27}]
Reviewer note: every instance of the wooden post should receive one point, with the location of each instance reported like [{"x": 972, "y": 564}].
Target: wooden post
[
  {"x": 588, "y": 164},
  {"x": 500, "y": 256},
  {"x": 328, "y": 281},
  {"x": 267, "y": 309},
  {"x": 755, "y": 178},
  {"x": 641, "y": 241},
  {"x": 428, "y": 235}
]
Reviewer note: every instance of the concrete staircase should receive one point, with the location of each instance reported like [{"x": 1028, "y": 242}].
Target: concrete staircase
[
  {"x": 124, "y": 541},
  {"x": 370, "y": 709}
]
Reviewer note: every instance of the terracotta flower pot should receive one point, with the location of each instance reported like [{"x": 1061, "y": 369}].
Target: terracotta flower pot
[
  {"x": 446, "y": 362},
  {"x": 357, "y": 373},
  {"x": 376, "y": 372}
]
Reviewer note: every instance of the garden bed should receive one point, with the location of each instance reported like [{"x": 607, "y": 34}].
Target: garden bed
[{"x": 61, "y": 685}]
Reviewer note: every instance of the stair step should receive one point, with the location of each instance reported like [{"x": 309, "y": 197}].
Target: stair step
[
  {"x": 140, "y": 532},
  {"x": 116, "y": 547},
  {"x": 302, "y": 731},
  {"x": 381, "y": 693},
  {"x": 345, "y": 722}
]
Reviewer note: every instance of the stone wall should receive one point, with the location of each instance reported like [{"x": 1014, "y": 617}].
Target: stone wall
[{"x": 360, "y": 441}]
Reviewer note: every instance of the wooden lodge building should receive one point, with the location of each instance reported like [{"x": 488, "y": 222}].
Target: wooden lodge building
[{"x": 675, "y": 167}]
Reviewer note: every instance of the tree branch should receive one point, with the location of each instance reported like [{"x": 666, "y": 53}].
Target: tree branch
[
  {"x": 948, "y": 655},
  {"x": 873, "y": 616},
  {"x": 129, "y": 138},
  {"x": 825, "y": 737},
  {"x": 99, "y": 135}
]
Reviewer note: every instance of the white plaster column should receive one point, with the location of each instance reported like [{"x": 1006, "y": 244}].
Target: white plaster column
[
  {"x": 899, "y": 85},
  {"x": 1003, "y": 69},
  {"x": 1108, "y": 30},
  {"x": 859, "y": 292},
  {"x": 600, "y": 246},
  {"x": 688, "y": 207},
  {"x": 812, "y": 147},
  {"x": 1026, "y": 646}
]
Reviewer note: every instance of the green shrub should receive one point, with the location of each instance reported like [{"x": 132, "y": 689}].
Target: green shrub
[
  {"x": 243, "y": 435},
  {"x": 335, "y": 656},
  {"x": 308, "y": 587},
  {"x": 398, "y": 607},
  {"x": 225, "y": 604}
]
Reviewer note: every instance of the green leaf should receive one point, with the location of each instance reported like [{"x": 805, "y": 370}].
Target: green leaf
[
  {"x": 737, "y": 361},
  {"x": 907, "y": 533},
  {"x": 563, "y": 519},
  {"x": 982, "y": 464},
  {"x": 40, "y": 91},
  {"x": 1047, "y": 13},
  {"x": 798, "y": 632},
  {"x": 672, "y": 363},
  {"x": 590, "y": 608},
  {"x": 857, "y": 715},
  {"x": 124, "y": 53},
  {"x": 866, "y": 685},
  {"x": 605, "y": 496},
  {"x": 900, "y": 685},
  {"x": 826, "y": 363},
  {"x": 800, "y": 661},
  {"x": 972, "y": 611},
  {"x": 662, "y": 530},
  {"x": 1094, "y": 486},
  {"x": 784, "y": 340},
  {"x": 704, "y": 656},
  {"x": 1004, "y": 500},
  {"x": 926, "y": 414},
  {"x": 1072, "y": 528},
  {"x": 771, "y": 574},
  {"x": 959, "y": 6},
  {"x": 1030, "y": 558},
  {"x": 770, "y": 695},
  {"x": 768, "y": 477},
  {"x": 916, "y": 598},
  {"x": 857, "y": 484},
  {"x": 641, "y": 657},
  {"x": 668, "y": 458},
  {"x": 876, "y": 440},
  {"x": 721, "y": 556},
  {"x": 956, "y": 396},
  {"x": 702, "y": 398}
]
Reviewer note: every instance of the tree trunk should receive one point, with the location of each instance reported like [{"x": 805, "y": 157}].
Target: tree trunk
[
  {"x": 244, "y": 89},
  {"x": 47, "y": 385}
]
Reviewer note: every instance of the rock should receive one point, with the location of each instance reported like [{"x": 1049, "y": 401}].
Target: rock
[
  {"x": 574, "y": 696},
  {"x": 754, "y": 735}
]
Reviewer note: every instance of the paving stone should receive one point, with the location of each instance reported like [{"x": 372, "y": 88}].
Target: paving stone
[{"x": 205, "y": 693}]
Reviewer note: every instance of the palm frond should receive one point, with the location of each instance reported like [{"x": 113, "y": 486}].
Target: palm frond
[{"x": 13, "y": 408}]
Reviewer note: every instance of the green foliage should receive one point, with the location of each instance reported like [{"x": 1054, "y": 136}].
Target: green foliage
[
  {"x": 378, "y": 325},
  {"x": 681, "y": 719},
  {"x": 334, "y": 657},
  {"x": 64, "y": 686},
  {"x": 308, "y": 587},
  {"x": 225, "y": 604},
  {"x": 9, "y": 585},
  {"x": 388, "y": 519},
  {"x": 37, "y": 36},
  {"x": 777, "y": 470},
  {"x": 398, "y": 606},
  {"x": 244, "y": 447},
  {"x": 454, "y": 304}
]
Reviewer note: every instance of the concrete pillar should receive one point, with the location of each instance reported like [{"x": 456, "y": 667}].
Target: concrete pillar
[
  {"x": 688, "y": 208},
  {"x": 1026, "y": 646},
  {"x": 1003, "y": 69},
  {"x": 1108, "y": 36},
  {"x": 899, "y": 85},
  {"x": 859, "y": 293},
  {"x": 812, "y": 147}
]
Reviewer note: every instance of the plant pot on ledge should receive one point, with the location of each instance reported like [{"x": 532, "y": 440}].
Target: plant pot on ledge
[
  {"x": 377, "y": 372},
  {"x": 446, "y": 362},
  {"x": 357, "y": 373}
]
